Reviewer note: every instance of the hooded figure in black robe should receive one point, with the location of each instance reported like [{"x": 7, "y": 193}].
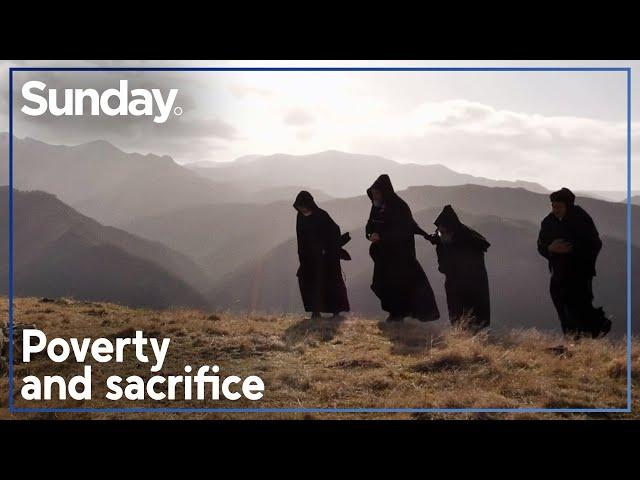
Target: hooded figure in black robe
[
  {"x": 461, "y": 252},
  {"x": 569, "y": 240},
  {"x": 398, "y": 279},
  {"x": 319, "y": 251}
]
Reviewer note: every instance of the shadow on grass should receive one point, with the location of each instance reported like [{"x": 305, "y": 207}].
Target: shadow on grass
[
  {"x": 312, "y": 331},
  {"x": 410, "y": 337}
]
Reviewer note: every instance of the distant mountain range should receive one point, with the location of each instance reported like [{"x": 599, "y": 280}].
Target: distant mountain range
[
  {"x": 339, "y": 174},
  {"x": 59, "y": 252},
  {"x": 114, "y": 187},
  {"x": 106, "y": 183},
  {"x": 609, "y": 195}
]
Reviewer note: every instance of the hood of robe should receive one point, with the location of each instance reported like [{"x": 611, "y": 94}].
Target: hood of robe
[
  {"x": 383, "y": 183},
  {"x": 563, "y": 195},
  {"x": 305, "y": 199},
  {"x": 448, "y": 218}
]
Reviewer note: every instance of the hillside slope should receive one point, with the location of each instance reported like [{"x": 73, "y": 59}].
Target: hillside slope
[
  {"x": 220, "y": 237},
  {"x": 58, "y": 251},
  {"x": 352, "y": 363}
]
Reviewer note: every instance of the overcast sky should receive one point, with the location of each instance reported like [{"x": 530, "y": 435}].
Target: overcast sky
[{"x": 556, "y": 128}]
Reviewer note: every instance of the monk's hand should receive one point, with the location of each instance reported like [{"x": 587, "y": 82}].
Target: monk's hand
[
  {"x": 433, "y": 239},
  {"x": 374, "y": 237},
  {"x": 560, "y": 246}
]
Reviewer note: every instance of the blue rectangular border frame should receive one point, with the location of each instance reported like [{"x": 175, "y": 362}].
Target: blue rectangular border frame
[{"x": 628, "y": 409}]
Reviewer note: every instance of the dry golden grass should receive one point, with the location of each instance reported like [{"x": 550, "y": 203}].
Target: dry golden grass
[{"x": 351, "y": 363}]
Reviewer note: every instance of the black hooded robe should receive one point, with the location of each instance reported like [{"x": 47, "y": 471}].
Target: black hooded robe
[
  {"x": 319, "y": 244},
  {"x": 398, "y": 279},
  {"x": 461, "y": 260},
  {"x": 572, "y": 273}
]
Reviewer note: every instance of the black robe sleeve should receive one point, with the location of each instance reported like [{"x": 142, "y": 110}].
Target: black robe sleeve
[
  {"x": 369, "y": 228},
  {"x": 544, "y": 240},
  {"x": 330, "y": 235},
  {"x": 400, "y": 224},
  {"x": 587, "y": 244},
  {"x": 302, "y": 244},
  {"x": 417, "y": 230},
  {"x": 444, "y": 265}
]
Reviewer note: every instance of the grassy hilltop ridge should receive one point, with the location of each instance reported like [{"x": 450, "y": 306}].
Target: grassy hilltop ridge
[{"x": 350, "y": 363}]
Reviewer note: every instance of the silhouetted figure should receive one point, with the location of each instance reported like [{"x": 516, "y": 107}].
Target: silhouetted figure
[
  {"x": 570, "y": 241},
  {"x": 398, "y": 279},
  {"x": 461, "y": 252},
  {"x": 320, "y": 250}
]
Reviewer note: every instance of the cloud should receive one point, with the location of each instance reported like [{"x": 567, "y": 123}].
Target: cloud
[
  {"x": 298, "y": 117},
  {"x": 485, "y": 141},
  {"x": 241, "y": 91},
  {"x": 303, "y": 135}
]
